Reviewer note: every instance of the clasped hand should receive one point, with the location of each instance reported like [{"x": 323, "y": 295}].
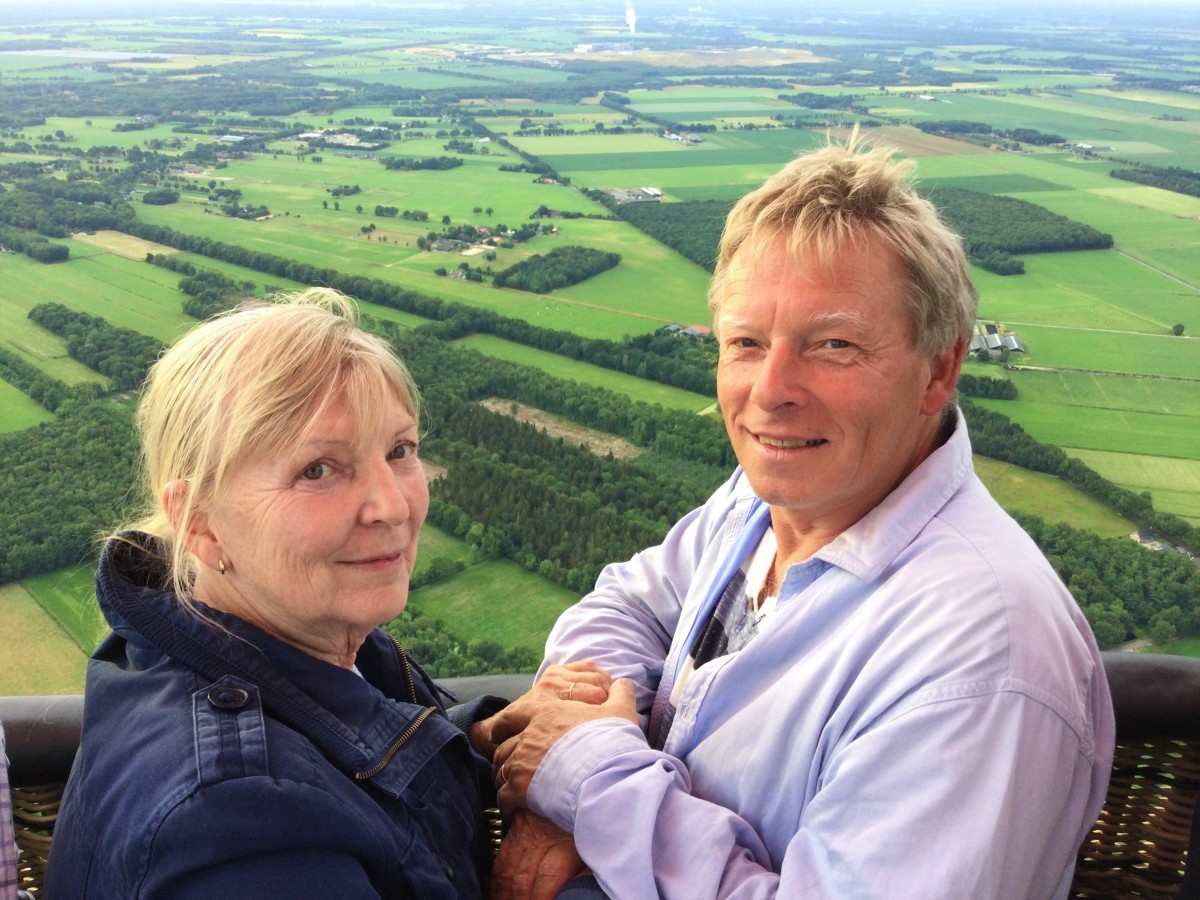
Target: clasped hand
[
  {"x": 518, "y": 737},
  {"x": 537, "y": 857}
]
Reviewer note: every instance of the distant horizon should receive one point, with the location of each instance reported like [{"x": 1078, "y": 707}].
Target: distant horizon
[{"x": 20, "y": 14}]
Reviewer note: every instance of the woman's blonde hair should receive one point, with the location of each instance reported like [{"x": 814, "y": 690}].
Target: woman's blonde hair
[
  {"x": 252, "y": 380},
  {"x": 840, "y": 196}
]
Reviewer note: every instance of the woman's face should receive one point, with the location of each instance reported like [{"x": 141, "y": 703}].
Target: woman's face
[{"x": 319, "y": 540}]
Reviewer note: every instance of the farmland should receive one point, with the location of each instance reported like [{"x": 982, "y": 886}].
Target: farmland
[{"x": 535, "y": 126}]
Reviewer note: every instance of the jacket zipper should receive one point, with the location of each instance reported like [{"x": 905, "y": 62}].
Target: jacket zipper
[{"x": 409, "y": 731}]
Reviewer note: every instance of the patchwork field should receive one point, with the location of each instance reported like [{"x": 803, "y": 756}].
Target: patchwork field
[
  {"x": 42, "y": 659},
  {"x": 1103, "y": 375}
]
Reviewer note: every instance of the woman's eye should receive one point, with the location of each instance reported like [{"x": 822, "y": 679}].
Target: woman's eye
[
  {"x": 745, "y": 343},
  {"x": 316, "y": 471},
  {"x": 403, "y": 450},
  {"x": 837, "y": 344}
]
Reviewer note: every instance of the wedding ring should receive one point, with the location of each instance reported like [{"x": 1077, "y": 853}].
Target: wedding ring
[{"x": 571, "y": 690}]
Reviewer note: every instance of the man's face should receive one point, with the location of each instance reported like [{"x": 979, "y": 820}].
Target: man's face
[{"x": 827, "y": 403}]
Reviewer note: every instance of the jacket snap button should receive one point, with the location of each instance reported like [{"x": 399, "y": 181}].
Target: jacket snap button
[{"x": 225, "y": 697}]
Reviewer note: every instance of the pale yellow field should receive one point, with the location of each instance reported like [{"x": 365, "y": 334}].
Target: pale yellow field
[
  {"x": 39, "y": 657},
  {"x": 122, "y": 244}
]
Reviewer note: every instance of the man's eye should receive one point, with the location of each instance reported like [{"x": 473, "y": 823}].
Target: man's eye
[
  {"x": 316, "y": 471},
  {"x": 745, "y": 343},
  {"x": 403, "y": 450},
  {"x": 837, "y": 344}
]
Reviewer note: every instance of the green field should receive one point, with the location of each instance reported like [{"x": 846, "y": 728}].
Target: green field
[
  {"x": 514, "y": 607},
  {"x": 69, "y": 596},
  {"x": 1036, "y": 494},
  {"x": 1182, "y": 647},
  {"x": 585, "y": 373},
  {"x": 18, "y": 411},
  {"x": 41, "y": 658}
]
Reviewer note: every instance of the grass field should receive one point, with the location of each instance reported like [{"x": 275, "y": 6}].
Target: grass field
[
  {"x": 25, "y": 286},
  {"x": 69, "y": 596},
  {"x": 585, "y": 373},
  {"x": 41, "y": 658},
  {"x": 128, "y": 293},
  {"x": 435, "y": 542},
  {"x": 1020, "y": 490},
  {"x": 18, "y": 411},
  {"x": 1174, "y": 484},
  {"x": 1181, "y": 647},
  {"x": 514, "y": 607}
]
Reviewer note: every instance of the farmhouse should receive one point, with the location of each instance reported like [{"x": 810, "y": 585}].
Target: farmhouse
[
  {"x": 636, "y": 195},
  {"x": 995, "y": 341}
]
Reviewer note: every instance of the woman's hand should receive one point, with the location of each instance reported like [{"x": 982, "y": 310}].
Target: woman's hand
[{"x": 536, "y": 858}]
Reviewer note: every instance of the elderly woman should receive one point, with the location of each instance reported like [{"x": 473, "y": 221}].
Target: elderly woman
[{"x": 249, "y": 731}]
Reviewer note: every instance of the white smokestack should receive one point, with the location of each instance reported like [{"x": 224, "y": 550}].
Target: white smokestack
[{"x": 631, "y": 18}]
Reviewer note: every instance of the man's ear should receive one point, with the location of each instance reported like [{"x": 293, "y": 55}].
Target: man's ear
[
  {"x": 944, "y": 367},
  {"x": 191, "y": 522}
]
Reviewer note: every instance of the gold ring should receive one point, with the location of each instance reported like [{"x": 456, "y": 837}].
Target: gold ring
[{"x": 570, "y": 690}]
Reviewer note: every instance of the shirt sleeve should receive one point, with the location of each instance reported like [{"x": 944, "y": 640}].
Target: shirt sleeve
[
  {"x": 626, "y": 624},
  {"x": 963, "y": 795}
]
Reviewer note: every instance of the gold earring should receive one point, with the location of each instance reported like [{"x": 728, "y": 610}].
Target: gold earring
[{"x": 221, "y": 565}]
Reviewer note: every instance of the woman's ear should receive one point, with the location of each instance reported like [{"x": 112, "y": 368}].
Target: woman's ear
[{"x": 191, "y": 523}]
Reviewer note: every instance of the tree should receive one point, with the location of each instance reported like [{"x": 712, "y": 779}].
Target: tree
[
  {"x": 358, "y": 209},
  {"x": 445, "y": 220},
  {"x": 1177, "y": 329}
]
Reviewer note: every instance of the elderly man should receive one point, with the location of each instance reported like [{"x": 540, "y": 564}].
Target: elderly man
[{"x": 850, "y": 673}]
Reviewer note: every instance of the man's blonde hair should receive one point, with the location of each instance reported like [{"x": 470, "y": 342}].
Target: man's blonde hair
[
  {"x": 841, "y": 196},
  {"x": 252, "y": 381}
]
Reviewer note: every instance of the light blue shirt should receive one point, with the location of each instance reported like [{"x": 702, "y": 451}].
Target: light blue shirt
[{"x": 925, "y": 714}]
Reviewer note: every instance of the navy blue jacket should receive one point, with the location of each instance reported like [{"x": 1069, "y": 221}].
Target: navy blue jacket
[{"x": 234, "y": 765}]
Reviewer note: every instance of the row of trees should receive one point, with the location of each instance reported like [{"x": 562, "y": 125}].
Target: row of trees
[
  {"x": 1012, "y": 225},
  {"x": 1170, "y": 178},
  {"x": 413, "y": 164},
  {"x": 23, "y": 375},
  {"x": 985, "y": 387},
  {"x": 456, "y": 320},
  {"x": 34, "y": 246},
  {"x": 561, "y": 267},
  {"x": 122, "y": 354},
  {"x": 958, "y": 128}
]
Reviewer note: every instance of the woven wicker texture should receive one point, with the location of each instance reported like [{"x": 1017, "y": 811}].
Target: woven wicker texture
[
  {"x": 35, "y": 807},
  {"x": 1138, "y": 847}
]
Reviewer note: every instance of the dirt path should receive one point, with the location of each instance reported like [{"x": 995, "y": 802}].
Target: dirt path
[{"x": 598, "y": 442}]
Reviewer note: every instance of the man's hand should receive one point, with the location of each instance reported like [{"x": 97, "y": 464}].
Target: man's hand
[
  {"x": 524, "y": 731},
  {"x": 582, "y": 682},
  {"x": 536, "y": 858}
]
